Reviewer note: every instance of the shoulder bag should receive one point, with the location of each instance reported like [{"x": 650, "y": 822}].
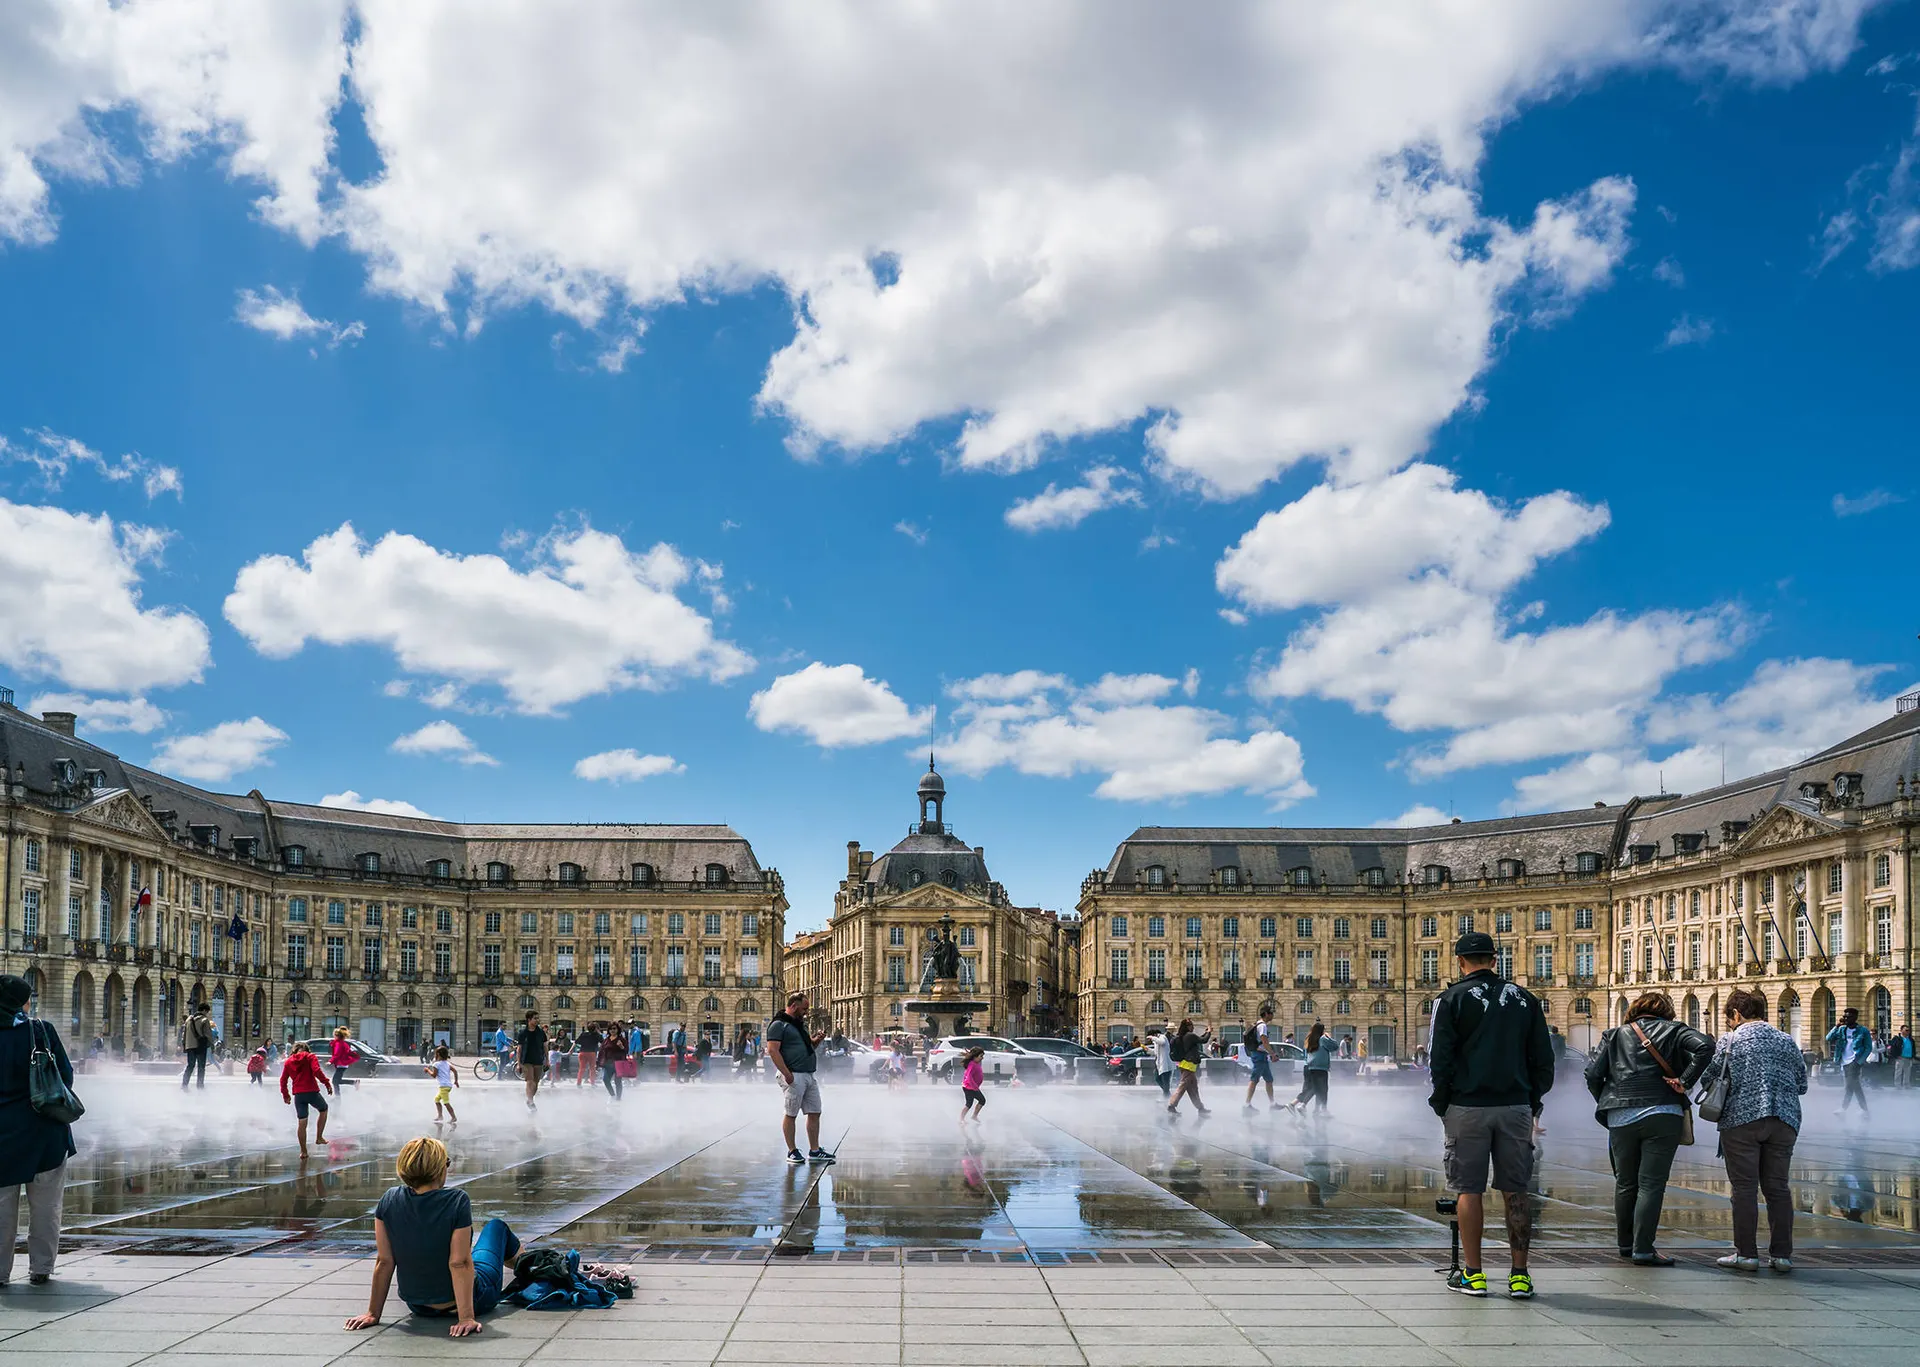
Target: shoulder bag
[
  {"x": 47, "y": 1091},
  {"x": 1715, "y": 1095},
  {"x": 1686, "y": 1107}
]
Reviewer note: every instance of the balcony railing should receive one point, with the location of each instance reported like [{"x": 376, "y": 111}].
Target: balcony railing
[
  {"x": 296, "y": 973},
  {"x": 1269, "y": 980},
  {"x": 639, "y": 980},
  {"x": 1300, "y": 980}
]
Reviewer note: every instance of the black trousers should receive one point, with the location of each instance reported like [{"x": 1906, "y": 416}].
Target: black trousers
[
  {"x": 1642, "y": 1156},
  {"x": 1851, "y": 1072},
  {"x": 1313, "y": 1087},
  {"x": 196, "y": 1063},
  {"x": 610, "y": 1079}
]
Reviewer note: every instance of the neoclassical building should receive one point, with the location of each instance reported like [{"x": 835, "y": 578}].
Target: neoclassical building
[
  {"x": 128, "y": 896},
  {"x": 1798, "y": 883},
  {"x": 867, "y": 962}
]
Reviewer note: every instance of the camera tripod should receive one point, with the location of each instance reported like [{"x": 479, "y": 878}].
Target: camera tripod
[{"x": 1450, "y": 1207}]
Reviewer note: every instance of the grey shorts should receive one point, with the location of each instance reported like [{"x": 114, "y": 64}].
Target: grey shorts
[
  {"x": 1477, "y": 1135},
  {"x": 802, "y": 1094}
]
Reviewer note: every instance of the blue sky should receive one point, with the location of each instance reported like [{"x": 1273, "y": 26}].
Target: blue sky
[{"x": 1218, "y": 426}]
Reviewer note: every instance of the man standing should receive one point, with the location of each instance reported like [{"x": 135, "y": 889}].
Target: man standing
[
  {"x": 1492, "y": 1065},
  {"x": 1259, "y": 1050},
  {"x": 1851, "y": 1047},
  {"x": 196, "y": 1037},
  {"x": 1162, "y": 1041},
  {"x": 1903, "y": 1058},
  {"x": 791, "y": 1049},
  {"x": 532, "y": 1043}
]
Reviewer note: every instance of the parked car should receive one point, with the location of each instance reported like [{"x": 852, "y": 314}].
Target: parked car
[
  {"x": 1004, "y": 1059},
  {"x": 1082, "y": 1064},
  {"x": 1130, "y": 1065},
  {"x": 369, "y": 1063}
]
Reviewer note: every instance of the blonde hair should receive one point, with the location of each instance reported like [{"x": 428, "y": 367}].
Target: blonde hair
[
  {"x": 423, "y": 1162},
  {"x": 341, "y": 1032}
]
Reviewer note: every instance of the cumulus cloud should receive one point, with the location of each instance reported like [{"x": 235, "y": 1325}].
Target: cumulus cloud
[
  {"x": 386, "y": 806},
  {"x": 1105, "y": 486},
  {"x": 1668, "y": 272},
  {"x": 1257, "y": 232},
  {"x": 53, "y": 456},
  {"x": 103, "y": 714},
  {"x": 588, "y": 616},
  {"x": 443, "y": 740},
  {"x": 215, "y": 756},
  {"x": 835, "y": 705},
  {"x": 1870, "y": 502},
  {"x": 1420, "y": 814},
  {"x": 1145, "y": 751},
  {"x": 72, "y": 609},
  {"x": 911, "y": 531},
  {"x": 625, "y": 766},
  {"x": 1688, "y": 331},
  {"x": 283, "y": 316}
]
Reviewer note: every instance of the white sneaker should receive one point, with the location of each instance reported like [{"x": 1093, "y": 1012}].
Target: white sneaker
[{"x": 1738, "y": 1263}]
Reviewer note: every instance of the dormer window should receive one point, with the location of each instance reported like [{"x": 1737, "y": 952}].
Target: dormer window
[
  {"x": 569, "y": 873},
  {"x": 294, "y": 856},
  {"x": 642, "y": 874},
  {"x": 1586, "y": 862},
  {"x": 1510, "y": 868},
  {"x": 1435, "y": 874},
  {"x": 716, "y": 875},
  {"x": 948, "y": 878},
  {"x": 1156, "y": 876},
  {"x": 1229, "y": 876},
  {"x": 367, "y": 863},
  {"x": 1301, "y": 877},
  {"x": 497, "y": 873},
  {"x": 914, "y": 878},
  {"x": 1642, "y": 854},
  {"x": 1374, "y": 878},
  {"x": 440, "y": 868},
  {"x": 1688, "y": 843}
]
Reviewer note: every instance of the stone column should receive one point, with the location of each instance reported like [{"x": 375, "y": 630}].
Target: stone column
[
  {"x": 1856, "y": 940},
  {"x": 53, "y": 920},
  {"x": 98, "y": 927}
]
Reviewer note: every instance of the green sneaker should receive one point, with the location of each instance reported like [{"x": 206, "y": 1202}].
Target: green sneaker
[
  {"x": 1468, "y": 1282},
  {"x": 1519, "y": 1286}
]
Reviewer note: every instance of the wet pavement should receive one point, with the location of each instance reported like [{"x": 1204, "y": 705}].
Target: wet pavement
[{"x": 1052, "y": 1170}]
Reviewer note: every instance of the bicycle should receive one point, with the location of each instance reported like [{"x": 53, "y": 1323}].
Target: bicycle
[{"x": 488, "y": 1069}]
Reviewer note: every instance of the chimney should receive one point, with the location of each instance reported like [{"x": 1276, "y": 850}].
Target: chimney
[
  {"x": 59, "y": 721},
  {"x": 853, "y": 858}
]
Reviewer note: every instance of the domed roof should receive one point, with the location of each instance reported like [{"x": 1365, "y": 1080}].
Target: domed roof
[{"x": 931, "y": 782}]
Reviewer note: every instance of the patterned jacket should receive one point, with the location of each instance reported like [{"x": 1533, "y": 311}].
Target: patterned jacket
[{"x": 1769, "y": 1075}]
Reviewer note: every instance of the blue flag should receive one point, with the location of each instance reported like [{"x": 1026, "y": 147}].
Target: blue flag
[{"x": 237, "y": 928}]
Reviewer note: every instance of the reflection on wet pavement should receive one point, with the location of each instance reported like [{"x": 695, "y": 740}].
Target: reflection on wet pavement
[{"x": 1052, "y": 1168}]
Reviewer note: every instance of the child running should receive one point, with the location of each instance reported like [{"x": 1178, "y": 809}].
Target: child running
[
  {"x": 300, "y": 1084},
  {"x": 257, "y": 1067},
  {"x": 972, "y": 1075},
  {"x": 448, "y": 1077}
]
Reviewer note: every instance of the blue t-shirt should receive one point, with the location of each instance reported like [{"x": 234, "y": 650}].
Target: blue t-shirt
[{"x": 420, "y": 1226}]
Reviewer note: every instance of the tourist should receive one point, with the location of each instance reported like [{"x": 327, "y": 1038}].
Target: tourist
[
  {"x": 1492, "y": 1066},
  {"x": 257, "y": 1067},
  {"x": 300, "y": 1084},
  {"x": 1767, "y": 1076},
  {"x": 1902, "y": 1050},
  {"x": 1316, "y": 1070},
  {"x": 611, "y": 1053},
  {"x": 589, "y": 1046},
  {"x": 342, "y": 1055},
  {"x": 794, "y": 1055},
  {"x": 1851, "y": 1047},
  {"x": 196, "y": 1037},
  {"x": 636, "y": 1041},
  {"x": 1188, "y": 1048},
  {"x": 1640, "y": 1076},
  {"x": 1259, "y": 1052},
  {"x": 33, "y": 1149},
  {"x": 423, "y": 1230},
  {"x": 532, "y": 1044},
  {"x": 1163, "y": 1060},
  {"x": 973, "y": 1076},
  {"x": 446, "y": 1077}
]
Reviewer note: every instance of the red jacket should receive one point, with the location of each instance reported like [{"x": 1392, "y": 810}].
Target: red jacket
[
  {"x": 303, "y": 1072},
  {"x": 256, "y": 1063}
]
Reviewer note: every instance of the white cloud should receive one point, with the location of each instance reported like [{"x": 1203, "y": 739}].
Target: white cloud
[
  {"x": 444, "y": 740},
  {"x": 1667, "y": 271},
  {"x": 1420, "y": 814},
  {"x": 1040, "y": 724},
  {"x": 834, "y": 705},
  {"x": 386, "y": 806},
  {"x": 912, "y": 532},
  {"x": 625, "y": 766},
  {"x": 1105, "y": 486},
  {"x": 72, "y": 612},
  {"x": 217, "y": 755},
  {"x": 53, "y": 456},
  {"x": 281, "y": 315},
  {"x": 1871, "y": 501},
  {"x": 1256, "y": 231},
  {"x": 103, "y": 714},
  {"x": 588, "y": 616},
  {"x": 1688, "y": 331}
]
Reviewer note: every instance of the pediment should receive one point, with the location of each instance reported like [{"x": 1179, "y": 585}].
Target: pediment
[
  {"x": 1785, "y": 826},
  {"x": 936, "y": 897},
  {"x": 118, "y": 809}
]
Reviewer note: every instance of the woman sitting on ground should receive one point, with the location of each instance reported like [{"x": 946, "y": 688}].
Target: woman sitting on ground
[
  {"x": 424, "y": 1231},
  {"x": 1639, "y": 1077}
]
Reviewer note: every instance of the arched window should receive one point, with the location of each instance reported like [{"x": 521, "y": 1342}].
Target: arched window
[
  {"x": 569, "y": 873},
  {"x": 1583, "y": 1006},
  {"x": 600, "y": 1003},
  {"x": 529, "y": 1002},
  {"x": 716, "y": 875},
  {"x": 642, "y": 874},
  {"x": 491, "y": 1002},
  {"x": 636, "y": 1003},
  {"x": 1343, "y": 1007},
  {"x": 916, "y": 878},
  {"x": 1880, "y": 1007}
]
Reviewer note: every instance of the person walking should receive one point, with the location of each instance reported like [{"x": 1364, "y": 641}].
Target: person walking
[
  {"x": 1316, "y": 1071},
  {"x": 1162, "y": 1042},
  {"x": 532, "y": 1044},
  {"x": 300, "y": 1084},
  {"x": 1259, "y": 1050},
  {"x": 1640, "y": 1076},
  {"x": 1492, "y": 1067},
  {"x": 1902, "y": 1050},
  {"x": 196, "y": 1037},
  {"x": 973, "y": 1077},
  {"x": 588, "y": 1063},
  {"x": 794, "y": 1054},
  {"x": 257, "y": 1067},
  {"x": 612, "y": 1051},
  {"x": 33, "y": 1149},
  {"x": 342, "y": 1056},
  {"x": 1188, "y": 1048},
  {"x": 1767, "y": 1076},
  {"x": 446, "y": 1077},
  {"x": 1851, "y": 1046}
]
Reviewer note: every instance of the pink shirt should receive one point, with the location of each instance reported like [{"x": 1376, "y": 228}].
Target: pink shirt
[
  {"x": 973, "y": 1075},
  {"x": 343, "y": 1054}
]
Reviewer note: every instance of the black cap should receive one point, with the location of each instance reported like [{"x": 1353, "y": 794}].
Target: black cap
[
  {"x": 15, "y": 992},
  {"x": 1475, "y": 944}
]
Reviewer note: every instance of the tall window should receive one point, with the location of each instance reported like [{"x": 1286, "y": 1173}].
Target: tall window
[
  {"x": 1230, "y": 963},
  {"x": 1429, "y": 926},
  {"x": 1377, "y": 928},
  {"x": 33, "y": 856},
  {"x": 1156, "y": 927},
  {"x": 563, "y": 958},
  {"x": 409, "y": 918},
  {"x": 1156, "y": 876},
  {"x": 1503, "y": 961},
  {"x": 1503, "y": 923},
  {"x": 1193, "y": 927},
  {"x": 1116, "y": 927},
  {"x": 1882, "y": 870},
  {"x": 1377, "y": 967},
  {"x": 602, "y": 961},
  {"x": 1229, "y": 877},
  {"x": 637, "y": 961},
  {"x": 1303, "y": 927},
  {"x": 1767, "y": 945},
  {"x": 637, "y": 923},
  {"x": 529, "y": 959},
  {"x": 336, "y": 913},
  {"x": 896, "y": 971},
  {"x": 1693, "y": 951},
  {"x": 710, "y": 969},
  {"x": 73, "y": 916},
  {"x": 1269, "y": 967},
  {"x": 1465, "y": 924},
  {"x": 676, "y": 923},
  {"x": 1303, "y": 963},
  {"x": 749, "y": 923},
  {"x": 1583, "y": 959},
  {"x": 1766, "y": 887},
  {"x": 1229, "y": 927},
  {"x": 1883, "y": 928},
  {"x": 442, "y": 957},
  {"x": 1117, "y": 969},
  {"x": 76, "y": 869},
  {"x": 1543, "y": 961},
  {"x": 1836, "y": 935},
  {"x": 563, "y": 923},
  {"x": 710, "y": 923},
  {"x": 1343, "y": 928},
  {"x": 1800, "y": 931},
  {"x": 372, "y": 917},
  {"x": 409, "y": 956},
  {"x": 676, "y": 961},
  {"x": 897, "y": 936},
  {"x": 1157, "y": 964},
  {"x": 1543, "y": 918},
  {"x": 1583, "y": 918},
  {"x": 966, "y": 937},
  {"x": 750, "y": 966},
  {"x": 1429, "y": 965},
  {"x": 336, "y": 951},
  {"x": 490, "y": 960},
  {"x": 1343, "y": 967},
  {"x": 1269, "y": 927},
  {"x": 1834, "y": 877},
  {"x": 1196, "y": 965},
  {"x": 297, "y": 950},
  {"x": 529, "y": 923}
]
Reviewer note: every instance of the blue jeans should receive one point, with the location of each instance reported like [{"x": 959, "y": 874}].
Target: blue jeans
[{"x": 494, "y": 1248}]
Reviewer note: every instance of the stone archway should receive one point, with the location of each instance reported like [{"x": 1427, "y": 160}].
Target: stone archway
[
  {"x": 1825, "y": 1015},
  {"x": 1788, "y": 1016},
  {"x": 120, "y": 1032},
  {"x": 1880, "y": 1010},
  {"x": 80, "y": 1016},
  {"x": 1690, "y": 1011}
]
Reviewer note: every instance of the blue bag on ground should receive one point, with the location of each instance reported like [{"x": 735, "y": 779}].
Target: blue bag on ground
[{"x": 546, "y": 1280}]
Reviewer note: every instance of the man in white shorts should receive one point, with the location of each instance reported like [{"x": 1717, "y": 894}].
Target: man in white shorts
[{"x": 792, "y": 1050}]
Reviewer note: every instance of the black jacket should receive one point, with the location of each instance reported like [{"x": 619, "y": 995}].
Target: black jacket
[
  {"x": 1490, "y": 1045},
  {"x": 29, "y": 1143},
  {"x": 1623, "y": 1073}
]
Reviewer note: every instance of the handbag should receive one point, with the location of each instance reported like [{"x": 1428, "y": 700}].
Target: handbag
[
  {"x": 47, "y": 1091},
  {"x": 1715, "y": 1095},
  {"x": 1686, "y": 1107}
]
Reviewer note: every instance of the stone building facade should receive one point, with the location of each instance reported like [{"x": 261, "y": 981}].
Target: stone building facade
[
  {"x": 128, "y": 896},
  {"x": 867, "y": 962},
  {"x": 1799, "y": 883}
]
